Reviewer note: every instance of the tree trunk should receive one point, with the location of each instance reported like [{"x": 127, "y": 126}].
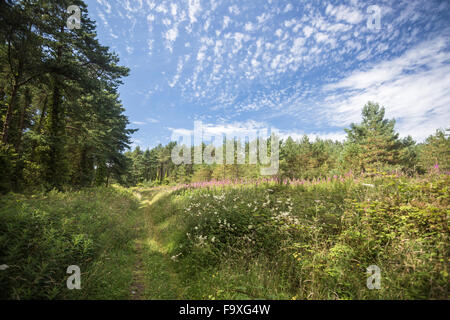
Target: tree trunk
[
  {"x": 26, "y": 103},
  {"x": 39, "y": 127},
  {"x": 107, "y": 176},
  {"x": 42, "y": 117},
  {"x": 57, "y": 166},
  {"x": 12, "y": 102}
]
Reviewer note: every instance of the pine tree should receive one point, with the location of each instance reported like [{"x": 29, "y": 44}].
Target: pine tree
[
  {"x": 61, "y": 118},
  {"x": 374, "y": 142},
  {"x": 435, "y": 152}
]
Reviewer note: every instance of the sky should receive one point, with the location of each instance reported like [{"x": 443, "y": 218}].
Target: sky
[{"x": 297, "y": 67}]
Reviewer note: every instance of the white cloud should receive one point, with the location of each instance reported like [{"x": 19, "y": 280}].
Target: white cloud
[
  {"x": 151, "y": 4},
  {"x": 263, "y": 18},
  {"x": 173, "y": 9},
  {"x": 248, "y": 26},
  {"x": 287, "y": 8},
  {"x": 129, "y": 49},
  {"x": 290, "y": 23},
  {"x": 180, "y": 131},
  {"x": 344, "y": 13},
  {"x": 413, "y": 87},
  {"x": 226, "y": 22},
  {"x": 207, "y": 24},
  {"x": 321, "y": 37},
  {"x": 178, "y": 74},
  {"x": 298, "y": 135},
  {"x": 129, "y": 8},
  {"x": 239, "y": 129},
  {"x": 234, "y": 9},
  {"x": 174, "y": 81},
  {"x": 255, "y": 63},
  {"x": 201, "y": 53},
  {"x": 171, "y": 34},
  {"x": 106, "y": 4},
  {"x": 251, "y": 129},
  {"x": 194, "y": 8},
  {"x": 275, "y": 62},
  {"x": 150, "y": 46},
  {"x": 297, "y": 47},
  {"x": 308, "y": 31},
  {"x": 238, "y": 38},
  {"x": 161, "y": 9}
]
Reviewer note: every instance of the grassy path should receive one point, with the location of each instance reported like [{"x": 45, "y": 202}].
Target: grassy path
[
  {"x": 154, "y": 275},
  {"x": 137, "y": 288}
]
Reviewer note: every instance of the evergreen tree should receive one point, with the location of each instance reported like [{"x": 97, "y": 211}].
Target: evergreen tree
[
  {"x": 373, "y": 142},
  {"x": 61, "y": 119},
  {"x": 435, "y": 152}
]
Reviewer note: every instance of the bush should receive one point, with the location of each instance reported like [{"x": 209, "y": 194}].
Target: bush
[
  {"x": 317, "y": 240},
  {"x": 41, "y": 235}
]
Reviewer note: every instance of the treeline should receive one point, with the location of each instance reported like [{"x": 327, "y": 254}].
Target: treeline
[
  {"x": 371, "y": 146},
  {"x": 62, "y": 123},
  {"x": 61, "y": 120}
]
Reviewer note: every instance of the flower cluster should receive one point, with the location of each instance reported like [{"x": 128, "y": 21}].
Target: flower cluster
[{"x": 262, "y": 181}]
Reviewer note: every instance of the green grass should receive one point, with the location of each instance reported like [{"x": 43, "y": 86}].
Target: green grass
[
  {"x": 243, "y": 242},
  {"x": 42, "y": 234},
  {"x": 304, "y": 242}
]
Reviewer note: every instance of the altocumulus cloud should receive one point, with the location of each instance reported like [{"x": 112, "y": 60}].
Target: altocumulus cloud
[{"x": 303, "y": 67}]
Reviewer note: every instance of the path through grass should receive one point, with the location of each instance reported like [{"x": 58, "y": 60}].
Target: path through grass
[{"x": 154, "y": 275}]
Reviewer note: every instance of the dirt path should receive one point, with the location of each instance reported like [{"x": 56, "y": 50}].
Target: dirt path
[
  {"x": 138, "y": 287},
  {"x": 153, "y": 276}
]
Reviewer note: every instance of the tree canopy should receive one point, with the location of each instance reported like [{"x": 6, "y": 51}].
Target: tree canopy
[{"x": 61, "y": 118}]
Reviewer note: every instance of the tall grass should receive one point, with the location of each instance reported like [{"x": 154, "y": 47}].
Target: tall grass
[
  {"x": 42, "y": 234},
  {"x": 251, "y": 240},
  {"x": 312, "y": 241}
]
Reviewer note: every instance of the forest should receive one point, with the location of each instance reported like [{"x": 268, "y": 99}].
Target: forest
[
  {"x": 73, "y": 192},
  {"x": 63, "y": 125},
  {"x": 371, "y": 146},
  {"x": 61, "y": 117}
]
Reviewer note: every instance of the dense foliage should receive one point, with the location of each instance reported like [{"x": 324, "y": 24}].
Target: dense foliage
[
  {"x": 223, "y": 231},
  {"x": 42, "y": 234},
  {"x": 61, "y": 120},
  {"x": 373, "y": 145},
  {"x": 311, "y": 241}
]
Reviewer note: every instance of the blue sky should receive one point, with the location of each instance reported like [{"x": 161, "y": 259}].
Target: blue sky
[{"x": 300, "y": 67}]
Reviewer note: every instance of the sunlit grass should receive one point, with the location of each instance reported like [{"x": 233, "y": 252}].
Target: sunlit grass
[{"x": 308, "y": 241}]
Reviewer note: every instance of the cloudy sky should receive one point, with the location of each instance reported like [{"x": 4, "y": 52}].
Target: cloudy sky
[{"x": 301, "y": 67}]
